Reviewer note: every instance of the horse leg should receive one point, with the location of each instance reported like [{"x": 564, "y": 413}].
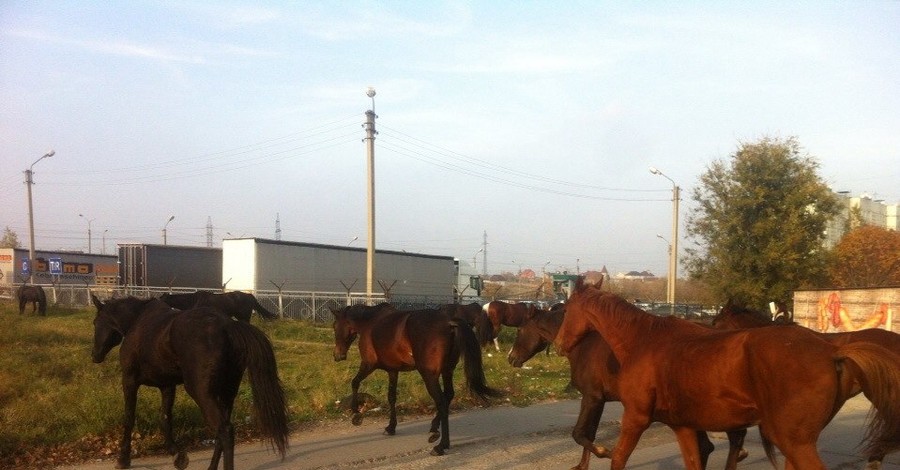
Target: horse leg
[
  {"x": 585, "y": 430},
  {"x": 22, "y": 303},
  {"x": 391, "y": 428},
  {"x": 690, "y": 447},
  {"x": 168, "y": 400},
  {"x": 449, "y": 393},
  {"x": 129, "y": 390},
  {"x": 802, "y": 455},
  {"x": 443, "y": 410},
  {"x": 629, "y": 435},
  {"x": 736, "y": 451},
  {"x": 364, "y": 371},
  {"x": 705, "y": 447}
]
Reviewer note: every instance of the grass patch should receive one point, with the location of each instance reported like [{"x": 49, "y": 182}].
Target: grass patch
[{"x": 57, "y": 407}]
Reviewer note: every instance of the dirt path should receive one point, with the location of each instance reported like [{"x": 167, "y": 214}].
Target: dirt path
[{"x": 507, "y": 438}]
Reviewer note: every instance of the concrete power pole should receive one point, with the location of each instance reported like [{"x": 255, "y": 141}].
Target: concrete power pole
[
  {"x": 370, "y": 151},
  {"x": 209, "y": 231},
  {"x": 484, "y": 257}
]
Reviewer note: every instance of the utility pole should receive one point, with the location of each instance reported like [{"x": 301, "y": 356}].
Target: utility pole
[
  {"x": 28, "y": 182},
  {"x": 370, "y": 151},
  {"x": 484, "y": 256},
  {"x": 277, "y": 226},
  {"x": 209, "y": 231}
]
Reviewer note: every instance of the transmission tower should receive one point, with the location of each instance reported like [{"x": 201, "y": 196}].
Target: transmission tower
[
  {"x": 209, "y": 232},
  {"x": 277, "y": 226}
]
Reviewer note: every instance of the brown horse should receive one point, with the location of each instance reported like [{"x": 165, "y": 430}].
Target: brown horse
[
  {"x": 787, "y": 381},
  {"x": 397, "y": 341},
  {"x": 475, "y": 317},
  {"x": 732, "y": 316},
  {"x": 200, "y": 348},
  {"x": 34, "y": 294},
  {"x": 595, "y": 371},
  {"x": 503, "y": 314},
  {"x": 237, "y": 304}
]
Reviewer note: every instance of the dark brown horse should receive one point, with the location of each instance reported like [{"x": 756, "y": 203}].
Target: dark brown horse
[
  {"x": 787, "y": 381},
  {"x": 237, "y": 304},
  {"x": 35, "y": 295},
  {"x": 427, "y": 341},
  {"x": 204, "y": 350},
  {"x": 594, "y": 371},
  {"x": 506, "y": 314},
  {"x": 475, "y": 317},
  {"x": 732, "y": 316}
]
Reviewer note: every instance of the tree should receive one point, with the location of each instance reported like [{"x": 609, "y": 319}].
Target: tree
[
  {"x": 759, "y": 223},
  {"x": 10, "y": 239},
  {"x": 868, "y": 256}
]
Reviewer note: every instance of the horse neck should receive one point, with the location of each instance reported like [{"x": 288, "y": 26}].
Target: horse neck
[
  {"x": 625, "y": 327},
  {"x": 550, "y": 324}
]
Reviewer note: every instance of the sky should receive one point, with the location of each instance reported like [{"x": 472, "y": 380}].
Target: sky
[{"x": 531, "y": 125}]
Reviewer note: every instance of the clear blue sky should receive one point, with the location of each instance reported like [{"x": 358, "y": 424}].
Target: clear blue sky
[{"x": 533, "y": 121}]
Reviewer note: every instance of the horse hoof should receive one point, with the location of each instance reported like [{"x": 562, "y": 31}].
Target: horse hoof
[
  {"x": 433, "y": 437},
  {"x": 601, "y": 452},
  {"x": 389, "y": 432},
  {"x": 181, "y": 460},
  {"x": 357, "y": 419},
  {"x": 123, "y": 464},
  {"x": 438, "y": 450},
  {"x": 742, "y": 455}
]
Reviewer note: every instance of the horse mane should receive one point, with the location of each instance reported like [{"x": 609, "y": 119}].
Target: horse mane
[
  {"x": 624, "y": 312},
  {"x": 364, "y": 312}
]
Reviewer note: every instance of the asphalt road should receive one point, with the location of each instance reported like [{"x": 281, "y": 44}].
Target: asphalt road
[{"x": 506, "y": 437}]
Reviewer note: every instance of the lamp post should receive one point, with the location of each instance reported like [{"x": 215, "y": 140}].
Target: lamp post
[
  {"x": 673, "y": 250},
  {"x": 28, "y": 182},
  {"x": 475, "y": 259},
  {"x": 165, "y": 239},
  {"x": 104, "y": 241},
  {"x": 89, "y": 230}
]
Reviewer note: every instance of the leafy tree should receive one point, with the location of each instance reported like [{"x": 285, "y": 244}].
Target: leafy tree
[
  {"x": 759, "y": 223},
  {"x": 868, "y": 256},
  {"x": 10, "y": 239}
]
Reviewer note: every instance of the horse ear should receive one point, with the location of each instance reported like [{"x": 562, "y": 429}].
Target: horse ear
[
  {"x": 599, "y": 284},
  {"x": 97, "y": 302}
]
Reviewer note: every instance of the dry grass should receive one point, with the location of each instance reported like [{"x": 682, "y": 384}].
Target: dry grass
[{"x": 58, "y": 407}]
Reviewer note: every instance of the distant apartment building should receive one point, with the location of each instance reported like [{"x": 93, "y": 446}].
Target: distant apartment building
[{"x": 869, "y": 210}]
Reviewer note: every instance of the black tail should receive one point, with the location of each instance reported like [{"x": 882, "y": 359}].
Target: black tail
[
  {"x": 878, "y": 372},
  {"x": 474, "y": 370},
  {"x": 269, "y": 403},
  {"x": 262, "y": 311}
]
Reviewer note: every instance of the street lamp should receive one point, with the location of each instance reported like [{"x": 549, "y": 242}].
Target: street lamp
[
  {"x": 673, "y": 250},
  {"x": 89, "y": 230},
  {"x": 475, "y": 259},
  {"x": 104, "y": 241},
  {"x": 165, "y": 240},
  {"x": 28, "y": 182}
]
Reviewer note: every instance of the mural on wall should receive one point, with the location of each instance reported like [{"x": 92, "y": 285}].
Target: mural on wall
[{"x": 832, "y": 313}]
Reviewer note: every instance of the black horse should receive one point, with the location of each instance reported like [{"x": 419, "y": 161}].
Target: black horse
[
  {"x": 35, "y": 295},
  {"x": 237, "y": 304},
  {"x": 200, "y": 348}
]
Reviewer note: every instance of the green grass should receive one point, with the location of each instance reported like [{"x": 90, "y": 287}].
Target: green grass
[{"x": 58, "y": 407}]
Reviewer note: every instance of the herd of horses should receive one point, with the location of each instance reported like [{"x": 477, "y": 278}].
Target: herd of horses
[{"x": 743, "y": 370}]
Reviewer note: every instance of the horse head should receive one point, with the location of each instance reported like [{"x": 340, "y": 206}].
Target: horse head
[
  {"x": 107, "y": 332},
  {"x": 344, "y": 333},
  {"x": 528, "y": 342}
]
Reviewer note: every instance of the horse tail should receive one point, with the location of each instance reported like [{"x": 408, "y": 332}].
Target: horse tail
[
  {"x": 255, "y": 351},
  {"x": 484, "y": 328},
  {"x": 468, "y": 345},
  {"x": 877, "y": 370},
  {"x": 261, "y": 310}
]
